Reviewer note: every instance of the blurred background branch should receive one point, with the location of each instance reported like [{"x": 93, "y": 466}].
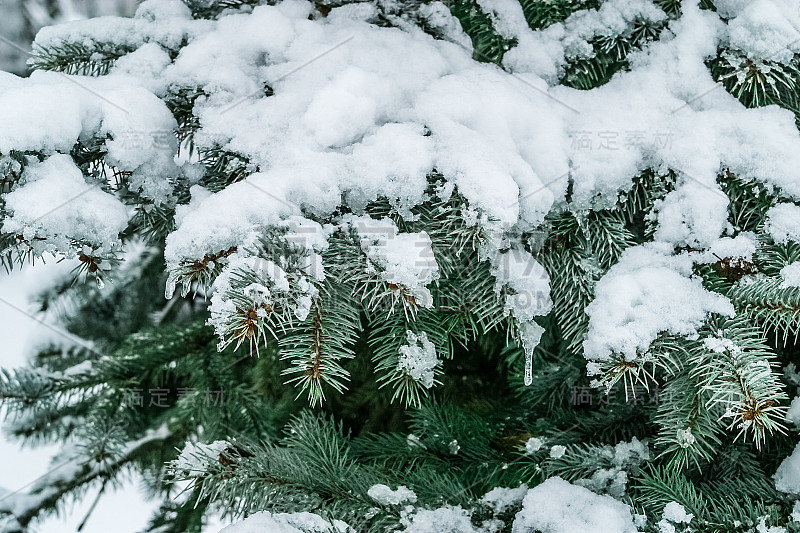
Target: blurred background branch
[{"x": 21, "y": 19}]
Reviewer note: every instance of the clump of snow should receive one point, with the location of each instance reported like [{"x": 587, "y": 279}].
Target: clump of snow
[
  {"x": 787, "y": 476},
  {"x": 743, "y": 246},
  {"x": 635, "y": 450},
  {"x": 386, "y": 496},
  {"x": 196, "y": 456},
  {"x": 783, "y": 222},
  {"x": 418, "y": 358},
  {"x": 57, "y": 203},
  {"x": 675, "y": 512},
  {"x": 611, "y": 481},
  {"x": 649, "y": 291},
  {"x": 762, "y": 527},
  {"x": 275, "y": 287},
  {"x": 529, "y": 283},
  {"x": 355, "y": 123},
  {"x": 720, "y": 345},
  {"x": 790, "y": 274},
  {"x": 197, "y": 194},
  {"x": 685, "y": 437},
  {"x": 558, "y": 451},
  {"x": 621, "y": 458},
  {"x": 441, "y": 520},
  {"x": 534, "y": 444},
  {"x": 46, "y": 115},
  {"x": 147, "y": 62},
  {"x": 413, "y": 441},
  {"x": 166, "y": 22},
  {"x": 557, "y": 506},
  {"x": 765, "y": 29},
  {"x": 403, "y": 259},
  {"x": 142, "y": 141},
  {"x": 693, "y": 215},
  {"x": 302, "y": 522},
  {"x": 500, "y": 498},
  {"x": 454, "y": 447},
  {"x": 793, "y": 413},
  {"x": 545, "y": 52},
  {"x": 285, "y": 282},
  {"x": 665, "y": 527}
]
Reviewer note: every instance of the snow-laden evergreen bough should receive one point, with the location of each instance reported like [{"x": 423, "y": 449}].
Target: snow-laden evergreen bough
[{"x": 564, "y": 234}]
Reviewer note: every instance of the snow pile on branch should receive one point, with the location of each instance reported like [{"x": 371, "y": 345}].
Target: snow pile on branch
[
  {"x": 386, "y": 496},
  {"x": 511, "y": 155},
  {"x": 647, "y": 293},
  {"x": 443, "y": 519},
  {"x": 50, "y": 114},
  {"x": 790, "y": 274},
  {"x": 196, "y": 457},
  {"x": 164, "y": 22},
  {"x": 556, "y": 506},
  {"x": 545, "y": 52},
  {"x": 264, "y": 521},
  {"x": 783, "y": 222},
  {"x": 787, "y": 476},
  {"x": 674, "y": 513},
  {"x": 621, "y": 458},
  {"x": 404, "y": 259},
  {"x": 763, "y": 28},
  {"x": 364, "y": 121},
  {"x": 528, "y": 283},
  {"x": 418, "y": 358},
  {"x": 500, "y": 498},
  {"x": 692, "y": 215},
  {"x": 93, "y": 216}
]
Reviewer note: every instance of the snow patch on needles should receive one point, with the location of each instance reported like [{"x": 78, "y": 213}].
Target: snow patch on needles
[
  {"x": 405, "y": 260},
  {"x": 764, "y": 28},
  {"x": 418, "y": 358},
  {"x": 443, "y": 519},
  {"x": 49, "y": 114},
  {"x": 534, "y": 444},
  {"x": 783, "y": 222},
  {"x": 303, "y": 522},
  {"x": 674, "y": 512},
  {"x": 386, "y": 496},
  {"x": 195, "y": 458},
  {"x": 790, "y": 274},
  {"x": 500, "y": 499},
  {"x": 165, "y": 22},
  {"x": 57, "y": 203},
  {"x": 526, "y": 284},
  {"x": 787, "y": 476},
  {"x": 557, "y": 506},
  {"x": 647, "y": 293},
  {"x": 693, "y": 215}
]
